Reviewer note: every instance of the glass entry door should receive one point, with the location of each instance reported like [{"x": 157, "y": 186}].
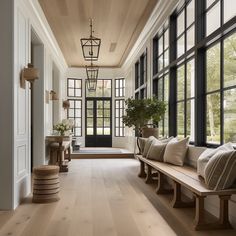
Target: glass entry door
[{"x": 98, "y": 122}]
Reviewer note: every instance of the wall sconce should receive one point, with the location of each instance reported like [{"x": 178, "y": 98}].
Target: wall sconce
[
  {"x": 66, "y": 104},
  {"x": 53, "y": 96},
  {"x": 29, "y": 74}
]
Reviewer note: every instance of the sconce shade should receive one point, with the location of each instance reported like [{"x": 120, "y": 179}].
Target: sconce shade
[
  {"x": 29, "y": 74},
  {"x": 92, "y": 72},
  {"x": 53, "y": 96},
  {"x": 66, "y": 104}
]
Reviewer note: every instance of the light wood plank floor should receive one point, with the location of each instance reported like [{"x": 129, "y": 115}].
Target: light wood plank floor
[{"x": 102, "y": 197}]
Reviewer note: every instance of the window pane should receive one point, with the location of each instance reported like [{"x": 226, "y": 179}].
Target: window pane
[
  {"x": 190, "y": 13},
  {"x": 71, "y": 83},
  {"x": 213, "y": 68},
  {"x": 213, "y": 118},
  {"x": 166, "y": 39},
  {"x": 229, "y": 61},
  {"x": 160, "y": 89},
  {"x": 160, "y": 63},
  {"x": 71, "y": 92},
  {"x": 166, "y": 58},
  {"x": 190, "y": 37},
  {"x": 180, "y": 23},
  {"x": 160, "y": 45},
  {"x": 190, "y": 79},
  {"x": 229, "y": 9},
  {"x": 166, "y": 88},
  {"x": 180, "y": 46},
  {"x": 213, "y": 19},
  {"x": 78, "y": 83},
  {"x": 180, "y": 83},
  {"x": 209, "y": 2},
  {"x": 180, "y": 119},
  {"x": 190, "y": 119},
  {"x": 230, "y": 116}
]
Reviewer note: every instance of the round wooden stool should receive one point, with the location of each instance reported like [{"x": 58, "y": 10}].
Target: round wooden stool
[{"x": 46, "y": 184}]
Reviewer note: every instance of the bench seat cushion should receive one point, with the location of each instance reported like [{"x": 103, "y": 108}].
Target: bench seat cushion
[{"x": 220, "y": 171}]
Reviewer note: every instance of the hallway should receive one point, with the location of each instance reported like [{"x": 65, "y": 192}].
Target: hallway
[{"x": 101, "y": 198}]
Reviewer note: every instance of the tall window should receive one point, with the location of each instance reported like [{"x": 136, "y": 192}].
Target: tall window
[
  {"x": 119, "y": 113},
  {"x": 75, "y": 113},
  {"x": 186, "y": 28},
  {"x": 186, "y": 99},
  {"x": 120, "y": 87},
  {"x": 141, "y": 77},
  {"x": 74, "y": 87},
  {"x": 221, "y": 91},
  {"x": 119, "y": 107}
]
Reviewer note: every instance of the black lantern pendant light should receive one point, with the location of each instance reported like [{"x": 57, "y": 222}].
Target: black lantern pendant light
[
  {"x": 91, "y": 45},
  {"x": 92, "y": 75},
  {"x": 91, "y": 85}
]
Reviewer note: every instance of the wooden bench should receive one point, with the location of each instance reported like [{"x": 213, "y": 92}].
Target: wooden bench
[{"x": 187, "y": 176}]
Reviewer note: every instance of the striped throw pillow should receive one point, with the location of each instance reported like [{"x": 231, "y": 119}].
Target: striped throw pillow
[{"x": 220, "y": 171}]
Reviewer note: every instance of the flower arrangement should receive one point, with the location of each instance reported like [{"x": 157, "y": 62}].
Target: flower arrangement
[{"x": 62, "y": 127}]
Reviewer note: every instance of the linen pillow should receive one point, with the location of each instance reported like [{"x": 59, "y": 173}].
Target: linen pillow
[
  {"x": 142, "y": 142},
  {"x": 175, "y": 151},
  {"x": 147, "y": 145},
  {"x": 207, "y": 154},
  {"x": 166, "y": 140},
  {"x": 220, "y": 171},
  {"x": 156, "y": 151}
]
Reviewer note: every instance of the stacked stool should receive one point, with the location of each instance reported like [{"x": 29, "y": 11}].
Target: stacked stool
[{"x": 46, "y": 184}]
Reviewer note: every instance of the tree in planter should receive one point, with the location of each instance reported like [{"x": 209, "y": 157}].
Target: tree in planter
[{"x": 140, "y": 111}]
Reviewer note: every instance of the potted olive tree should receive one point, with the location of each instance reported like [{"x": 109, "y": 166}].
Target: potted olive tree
[{"x": 140, "y": 112}]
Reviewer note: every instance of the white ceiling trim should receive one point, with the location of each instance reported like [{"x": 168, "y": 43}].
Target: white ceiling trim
[{"x": 162, "y": 9}]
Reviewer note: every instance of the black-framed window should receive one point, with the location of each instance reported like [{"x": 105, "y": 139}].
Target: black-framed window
[
  {"x": 119, "y": 113},
  {"x": 161, "y": 49},
  {"x": 141, "y": 77},
  {"x": 221, "y": 91},
  {"x": 75, "y": 113},
  {"x": 120, "y": 87},
  {"x": 74, "y": 87},
  {"x": 185, "y": 24},
  {"x": 161, "y": 91},
  {"x": 217, "y": 13},
  {"x": 186, "y": 99}
]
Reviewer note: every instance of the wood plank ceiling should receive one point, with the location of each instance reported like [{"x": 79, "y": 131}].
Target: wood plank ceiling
[{"x": 117, "y": 22}]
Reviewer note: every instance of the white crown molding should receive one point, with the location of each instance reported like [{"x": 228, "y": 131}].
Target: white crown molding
[
  {"x": 38, "y": 20},
  {"x": 155, "y": 21}
]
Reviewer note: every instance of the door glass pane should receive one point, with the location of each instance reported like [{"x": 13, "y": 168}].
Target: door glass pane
[
  {"x": 106, "y": 104},
  {"x": 213, "y": 19},
  {"x": 99, "y": 104},
  {"x": 229, "y": 61},
  {"x": 99, "y": 131},
  {"x": 230, "y": 116},
  {"x": 229, "y": 9},
  {"x": 89, "y": 113},
  {"x": 213, "y": 118},
  {"x": 90, "y": 122},
  {"x": 99, "y": 113},
  {"x": 99, "y": 121},
  {"x": 180, "y": 119},
  {"x": 180, "y": 83},
  {"x": 106, "y": 113},
  {"x": 89, "y": 104},
  {"x": 107, "y": 122},
  {"x": 107, "y": 131},
  {"x": 89, "y": 131},
  {"x": 213, "y": 68}
]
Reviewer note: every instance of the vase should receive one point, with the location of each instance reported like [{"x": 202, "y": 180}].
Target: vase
[{"x": 62, "y": 133}]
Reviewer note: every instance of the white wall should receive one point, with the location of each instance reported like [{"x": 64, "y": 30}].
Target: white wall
[
  {"x": 160, "y": 14},
  {"x": 17, "y": 18},
  {"x": 104, "y": 73}
]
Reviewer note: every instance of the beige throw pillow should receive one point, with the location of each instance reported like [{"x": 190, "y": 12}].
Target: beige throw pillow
[
  {"x": 207, "y": 154},
  {"x": 175, "y": 151},
  {"x": 156, "y": 151},
  {"x": 220, "y": 171},
  {"x": 147, "y": 145}
]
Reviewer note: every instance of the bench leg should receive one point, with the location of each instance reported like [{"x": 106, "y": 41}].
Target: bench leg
[
  {"x": 142, "y": 173},
  {"x": 177, "y": 200},
  {"x": 224, "y": 212},
  {"x": 69, "y": 153},
  {"x": 160, "y": 186},
  {"x": 200, "y": 221},
  {"x": 149, "y": 178}
]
